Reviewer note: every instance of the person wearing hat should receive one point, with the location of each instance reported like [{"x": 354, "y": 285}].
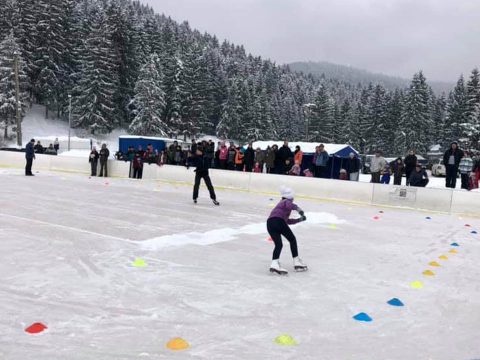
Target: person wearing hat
[
  {"x": 353, "y": 167},
  {"x": 278, "y": 225},
  {"x": 451, "y": 159},
  {"x": 418, "y": 177},
  {"x": 29, "y": 156},
  {"x": 201, "y": 172}
]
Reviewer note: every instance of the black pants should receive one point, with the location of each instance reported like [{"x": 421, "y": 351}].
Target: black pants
[
  {"x": 137, "y": 173},
  {"x": 397, "y": 179},
  {"x": 451, "y": 176},
  {"x": 103, "y": 165},
  {"x": 320, "y": 171},
  {"x": 465, "y": 181},
  {"x": 376, "y": 177},
  {"x": 239, "y": 167},
  {"x": 408, "y": 172},
  {"x": 28, "y": 167},
  {"x": 231, "y": 166},
  {"x": 276, "y": 228},
  {"x": 248, "y": 167},
  {"x": 199, "y": 175},
  {"x": 223, "y": 164},
  {"x": 93, "y": 166}
]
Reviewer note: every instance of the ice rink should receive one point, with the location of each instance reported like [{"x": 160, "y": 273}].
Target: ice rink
[{"x": 68, "y": 246}]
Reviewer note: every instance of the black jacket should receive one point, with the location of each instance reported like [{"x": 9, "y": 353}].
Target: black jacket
[
  {"x": 458, "y": 154},
  {"x": 353, "y": 165},
  {"x": 202, "y": 163},
  {"x": 29, "y": 151},
  {"x": 416, "y": 178},
  {"x": 284, "y": 154},
  {"x": 410, "y": 162},
  {"x": 104, "y": 155},
  {"x": 94, "y": 157},
  {"x": 249, "y": 156}
]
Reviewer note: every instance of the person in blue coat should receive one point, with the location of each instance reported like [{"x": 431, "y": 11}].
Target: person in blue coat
[{"x": 29, "y": 155}]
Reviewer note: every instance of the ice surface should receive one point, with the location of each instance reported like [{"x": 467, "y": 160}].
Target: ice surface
[{"x": 67, "y": 244}]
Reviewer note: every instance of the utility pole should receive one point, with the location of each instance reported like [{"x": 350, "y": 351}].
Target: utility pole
[
  {"x": 17, "y": 99},
  {"x": 307, "y": 109},
  {"x": 69, "y": 118}
]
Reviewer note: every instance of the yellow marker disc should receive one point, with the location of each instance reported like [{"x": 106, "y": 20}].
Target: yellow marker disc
[
  {"x": 453, "y": 251},
  {"x": 417, "y": 285},
  {"x": 434, "y": 263},
  {"x": 139, "y": 263},
  {"x": 177, "y": 344},
  {"x": 285, "y": 340},
  {"x": 428, "y": 273},
  {"x": 443, "y": 257}
]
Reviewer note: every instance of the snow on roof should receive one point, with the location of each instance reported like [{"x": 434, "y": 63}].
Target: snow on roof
[
  {"x": 149, "y": 138},
  {"x": 306, "y": 147}
]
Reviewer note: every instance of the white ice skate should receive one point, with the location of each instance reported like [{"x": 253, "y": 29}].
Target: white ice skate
[
  {"x": 299, "y": 265},
  {"x": 277, "y": 268}
]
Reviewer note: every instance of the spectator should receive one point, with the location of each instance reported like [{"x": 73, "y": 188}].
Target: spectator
[
  {"x": 466, "y": 167},
  {"x": 377, "y": 166},
  {"x": 193, "y": 147},
  {"x": 343, "y": 174},
  {"x": 38, "y": 148},
  {"x": 93, "y": 160},
  {"x": 270, "y": 159},
  {"x": 223, "y": 156},
  {"x": 257, "y": 168},
  {"x": 476, "y": 171},
  {"x": 418, "y": 177},
  {"x": 298, "y": 155},
  {"x": 308, "y": 173},
  {"x": 210, "y": 150},
  {"x": 410, "y": 163},
  {"x": 29, "y": 156},
  {"x": 171, "y": 153},
  {"x": 129, "y": 157},
  {"x": 451, "y": 160},
  {"x": 284, "y": 159},
  {"x": 50, "y": 150},
  {"x": 239, "y": 160},
  {"x": 104, "y": 155},
  {"x": 385, "y": 175},
  {"x": 249, "y": 158},
  {"x": 232, "y": 154},
  {"x": 321, "y": 162},
  {"x": 56, "y": 145},
  {"x": 259, "y": 158},
  {"x": 397, "y": 167},
  {"x": 149, "y": 155},
  {"x": 216, "y": 161},
  {"x": 296, "y": 169},
  {"x": 353, "y": 167},
  {"x": 178, "y": 155},
  {"x": 138, "y": 165}
]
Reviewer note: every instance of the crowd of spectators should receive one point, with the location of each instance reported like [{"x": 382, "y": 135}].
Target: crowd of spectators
[{"x": 282, "y": 160}]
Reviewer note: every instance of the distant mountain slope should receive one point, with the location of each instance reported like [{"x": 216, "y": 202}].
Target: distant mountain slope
[{"x": 354, "y": 76}]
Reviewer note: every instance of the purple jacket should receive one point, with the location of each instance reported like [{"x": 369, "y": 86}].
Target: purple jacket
[{"x": 283, "y": 210}]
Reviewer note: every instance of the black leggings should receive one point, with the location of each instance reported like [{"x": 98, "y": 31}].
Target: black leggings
[{"x": 276, "y": 228}]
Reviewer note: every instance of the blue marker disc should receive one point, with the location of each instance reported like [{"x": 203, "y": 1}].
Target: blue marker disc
[
  {"x": 363, "y": 317},
  {"x": 395, "y": 302}
]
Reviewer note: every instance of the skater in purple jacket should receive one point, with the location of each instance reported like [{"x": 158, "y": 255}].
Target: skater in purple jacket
[{"x": 277, "y": 225}]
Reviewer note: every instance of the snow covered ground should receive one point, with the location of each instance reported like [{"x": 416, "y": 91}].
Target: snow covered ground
[{"x": 67, "y": 244}]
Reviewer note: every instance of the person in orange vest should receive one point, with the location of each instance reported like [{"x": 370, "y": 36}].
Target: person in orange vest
[
  {"x": 298, "y": 155},
  {"x": 239, "y": 160}
]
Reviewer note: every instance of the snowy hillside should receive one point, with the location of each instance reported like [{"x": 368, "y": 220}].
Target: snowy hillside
[{"x": 35, "y": 126}]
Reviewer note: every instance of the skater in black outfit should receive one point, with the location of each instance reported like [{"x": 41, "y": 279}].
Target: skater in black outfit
[
  {"x": 203, "y": 163},
  {"x": 277, "y": 225}
]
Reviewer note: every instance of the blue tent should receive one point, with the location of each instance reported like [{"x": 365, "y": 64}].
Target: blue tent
[{"x": 125, "y": 141}]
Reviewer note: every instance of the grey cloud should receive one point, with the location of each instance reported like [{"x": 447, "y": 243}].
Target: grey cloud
[{"x": 396, "y": 37}]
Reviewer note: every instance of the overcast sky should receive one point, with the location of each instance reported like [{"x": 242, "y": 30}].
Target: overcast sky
[{"x": 395, "y": 37}]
